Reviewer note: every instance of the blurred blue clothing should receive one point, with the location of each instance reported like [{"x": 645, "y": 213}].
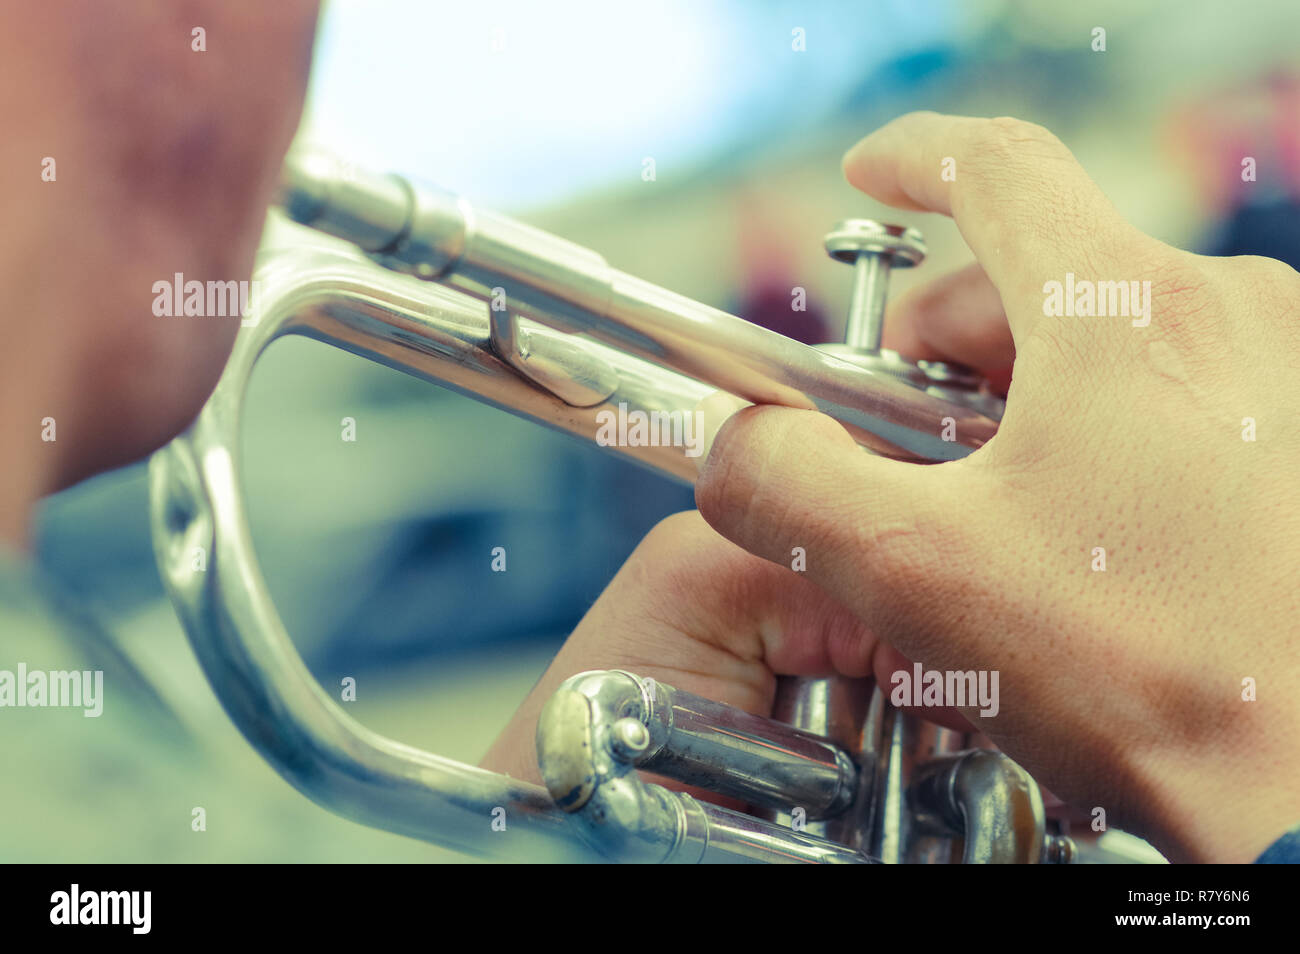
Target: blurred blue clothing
[{"x": 1284, "y": 851}]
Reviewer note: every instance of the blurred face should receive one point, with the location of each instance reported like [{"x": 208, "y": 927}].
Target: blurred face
[{"x": 165, "y": 158}]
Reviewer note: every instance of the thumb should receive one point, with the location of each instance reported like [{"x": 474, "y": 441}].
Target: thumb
[{"x": 881, "y": 536}]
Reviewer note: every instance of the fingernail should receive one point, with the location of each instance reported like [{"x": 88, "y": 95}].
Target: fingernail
[{"x": 710, "y": 414}]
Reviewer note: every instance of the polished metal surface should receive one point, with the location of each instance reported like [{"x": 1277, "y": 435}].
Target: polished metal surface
[
  {"x": 873, "y": 249},
  {"x": 987, "y": 799},
  {"x": 546, "y": 329},
  {"x": 761, "y": 761},
  {"x": 833, "y": 707},
  {"x": 592, "y": 773},
  {"x": 228, "y": 613},
  {"x": 436, "y": 236},
  {"x": 1059, "y": 850}
]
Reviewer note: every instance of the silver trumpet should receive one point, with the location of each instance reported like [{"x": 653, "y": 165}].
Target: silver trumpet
[{"x": 548, "y": 330}]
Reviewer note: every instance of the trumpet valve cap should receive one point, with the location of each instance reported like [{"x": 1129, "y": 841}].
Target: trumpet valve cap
[{"x": 853, "y": 238}]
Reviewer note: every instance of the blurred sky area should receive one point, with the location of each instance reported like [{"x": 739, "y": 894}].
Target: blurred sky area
[
  {"x": 527, "y": 101},
  {"x": 519, "y": 103}
]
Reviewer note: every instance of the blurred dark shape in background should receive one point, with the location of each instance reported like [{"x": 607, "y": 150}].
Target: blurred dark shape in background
[
  {"x": 1255, "y": 124},
  {"x": 1271, "y": 229}
]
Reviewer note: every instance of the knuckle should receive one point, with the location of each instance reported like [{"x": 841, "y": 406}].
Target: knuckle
[
  {"x": 1013, "y": 157},
  {"x": 732, "y": 492},
  {"x": 726, "y": 477},
  {"x": 760, "y": 491},
  {"x": 772, "y": 498},
  {"x": 1009, "y": 142}
]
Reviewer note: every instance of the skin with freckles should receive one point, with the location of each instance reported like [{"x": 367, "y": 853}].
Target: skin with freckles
[
  {"x": 1121, "y": 688},
  {"x": 165, "y": 161}
]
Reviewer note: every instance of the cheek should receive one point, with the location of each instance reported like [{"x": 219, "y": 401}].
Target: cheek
[
  {"x": 166, "y": 369},
  {"x": 185, "y": 141},
  {"x": 189, "y": 355},
  {"x": 139, "y": 388}
]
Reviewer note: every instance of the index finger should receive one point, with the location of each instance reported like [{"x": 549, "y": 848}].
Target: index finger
[{"x": 1023, "y": 203}]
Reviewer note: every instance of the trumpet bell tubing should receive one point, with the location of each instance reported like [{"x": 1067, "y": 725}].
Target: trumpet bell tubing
[
  {"x": 578, "y": 338},
  {"x": 197, "y": 507}
]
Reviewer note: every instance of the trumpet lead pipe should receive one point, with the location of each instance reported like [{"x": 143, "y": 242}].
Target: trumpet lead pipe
[{"x": 438, "y": 236}]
